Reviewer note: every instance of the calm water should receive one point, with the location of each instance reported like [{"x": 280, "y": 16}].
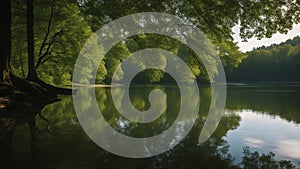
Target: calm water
[{"x": 264, "y": 118}]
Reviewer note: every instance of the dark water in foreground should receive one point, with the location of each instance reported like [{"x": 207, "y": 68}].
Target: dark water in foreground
[{"x": 264, "y": 118}]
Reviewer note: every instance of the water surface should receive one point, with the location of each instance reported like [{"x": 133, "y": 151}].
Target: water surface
[{"x": 263, "y": 117}]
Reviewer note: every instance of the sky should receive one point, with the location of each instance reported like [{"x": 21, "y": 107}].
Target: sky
[{"x": 276, "y": 38}]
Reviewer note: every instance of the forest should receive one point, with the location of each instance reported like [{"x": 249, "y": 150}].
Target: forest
[
  {"x": 47, "y": 36},
  {"x": 275, "y": 63}
]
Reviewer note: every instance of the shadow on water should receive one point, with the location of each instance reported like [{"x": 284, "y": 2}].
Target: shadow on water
[
  {"x": 11, "y": 118},
  {"x": 67, "y": 145}
]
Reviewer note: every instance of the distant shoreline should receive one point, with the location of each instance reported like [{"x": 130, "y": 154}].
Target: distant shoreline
[{"x": 174, "y": 84}]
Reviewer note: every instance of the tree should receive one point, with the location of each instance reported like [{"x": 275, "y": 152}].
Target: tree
[
  {"x": 5, "y": 33},
  {"x": 36, "y": 89},
  {"x": 67, "y": 34},
  {"x": 59, "y": 34},
  {"x": 215, "y": 18},
  {"x": 113, "y": 58},
  {"x": 30, "y": 40}
]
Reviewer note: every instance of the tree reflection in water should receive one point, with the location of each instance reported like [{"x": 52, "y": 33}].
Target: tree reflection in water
[
  {"x": 11, "y": 119},
  {"x": 67, "y": 145}
]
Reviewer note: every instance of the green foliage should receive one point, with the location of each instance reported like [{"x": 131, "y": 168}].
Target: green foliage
[
  {"x": 266, "y": 17},
  {"x": 67, "y": 34},
  {"x": 86, "y": 66},
  {"x": 144, "y": 41},
  {"x": 58, "y": 44},
  {"x": 113, "y": 59},
  {"x": 275, "y": 63},
  {"x": 257, "y": 18},
  {"x": 215, "y": 18}
]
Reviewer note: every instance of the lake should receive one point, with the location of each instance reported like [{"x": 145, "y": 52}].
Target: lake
[{"x": 260, "y": 127}]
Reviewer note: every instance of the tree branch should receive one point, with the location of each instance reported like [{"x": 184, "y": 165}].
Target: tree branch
[
  {"x": 45, "y": 49},
  {"x": 45, "y": 40}
]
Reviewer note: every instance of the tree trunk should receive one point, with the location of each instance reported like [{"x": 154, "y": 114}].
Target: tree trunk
[
  {"x": 41, "y": 91},
  {"x": 5, "y": 34},
  {"x": 30, "y": 40}
]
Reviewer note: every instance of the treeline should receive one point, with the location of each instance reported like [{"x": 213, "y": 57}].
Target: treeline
[{"x": 278, "y": 62}]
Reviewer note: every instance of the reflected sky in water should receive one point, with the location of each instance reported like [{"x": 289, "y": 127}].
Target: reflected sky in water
[
  {"x": 265, "y": 133},
  {"x": 266, "y": 122}
]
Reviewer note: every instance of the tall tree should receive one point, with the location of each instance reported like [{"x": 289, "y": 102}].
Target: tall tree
[
  {"x": 30, "y": 40},
  {"x": 59, "y": 34},
  {"x": 5, "y": 34}
]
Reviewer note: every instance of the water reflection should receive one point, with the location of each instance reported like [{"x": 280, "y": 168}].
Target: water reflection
[
  {"x": 67, "y": 145},
  {"x": 264, "y": 133},
  {"x": 18, "y": 114},
  {"x": 273, "y": 99}
]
